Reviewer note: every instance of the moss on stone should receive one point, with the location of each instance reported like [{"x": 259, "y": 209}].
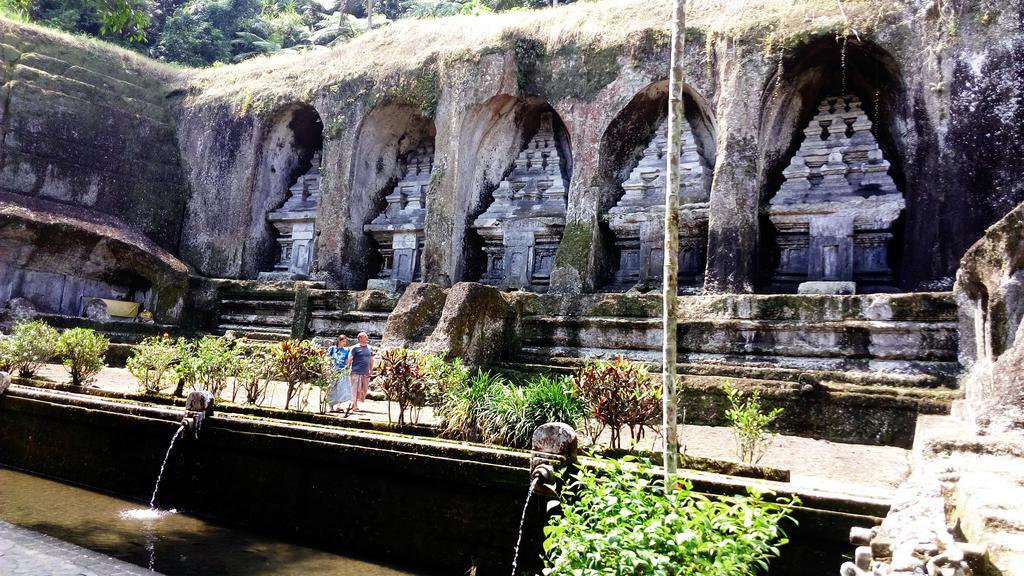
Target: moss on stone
[{"x": 575, "y": 247}]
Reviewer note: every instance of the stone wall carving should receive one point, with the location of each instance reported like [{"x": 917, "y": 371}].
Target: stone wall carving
[
  {"x": 523, "y": 227},
  {"x": 835, "y": 210},
  {"x": 399, "y": 228},
  {"x": 638, "y": 222},
  {"x": 294, "y": 222}
]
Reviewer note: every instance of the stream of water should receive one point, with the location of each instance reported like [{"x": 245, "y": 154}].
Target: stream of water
[{"x": 522, "y": 520}]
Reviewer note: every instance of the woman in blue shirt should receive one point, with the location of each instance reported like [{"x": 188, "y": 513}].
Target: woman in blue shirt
[{"x": 341, "y": 391}]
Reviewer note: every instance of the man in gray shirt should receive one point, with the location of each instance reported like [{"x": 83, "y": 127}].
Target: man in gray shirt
[{"x": 360, "y": 360}]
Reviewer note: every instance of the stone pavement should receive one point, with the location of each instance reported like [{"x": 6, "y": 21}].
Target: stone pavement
[{"x": 27, "y": 553}]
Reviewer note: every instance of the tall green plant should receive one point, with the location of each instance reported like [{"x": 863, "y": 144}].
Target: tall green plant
[
  {"x": 552, "y": 399},
  {"x": 750, "y": 422},
  {"x": 187, "y": 369},
  {"x": 216, "y": 361},
  {"x": 459, "y": 405},
  {"x": 253, "y": 373},
  {"x": 32, "y": 345},
  {"x": 152, "y": 364},
  {"x": 502, "y": 416},
  {"x": 618, "y": 519},
  {"x": 82, "y": 351},
  {"x": 6, "y": 354}
]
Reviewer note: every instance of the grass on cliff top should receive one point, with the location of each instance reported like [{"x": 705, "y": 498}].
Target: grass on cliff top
[
  {"x": 81, "y": 50},
  {"x": 763, "y": 25}
]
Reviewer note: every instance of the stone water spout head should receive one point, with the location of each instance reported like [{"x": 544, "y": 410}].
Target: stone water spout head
[
  {"x": 554, "y": 444},
  {"x": 5, "y": 382},
  {"x": 198, "y": 406}
]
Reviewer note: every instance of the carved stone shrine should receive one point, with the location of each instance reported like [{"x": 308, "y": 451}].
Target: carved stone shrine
[
  {"x": 294, "y": 222},
  {"x": 834, "y": 212},
  {"x": 398, "y": 230},
  {"x": 523, "y": 227},
  {"x": 637, "y": 221}
]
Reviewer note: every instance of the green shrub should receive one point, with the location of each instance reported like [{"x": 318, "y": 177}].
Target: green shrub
[
  {"x": 460, "y": 404},
  {"x": 298, "y": 362},
  {"x": 620, "y": 520},
  {"x": 401, "y": 376},
  {"x": 216, "y": 360},
  {"x": 186, "y": 370},
  {"x": 749, "y": 423},
  {"x": 6, "y": 354},
  {"x": 32, "y": 344},
  {"x": 442, "y": 375},
  {"x": 82, "y": 352},
  {"x": 502, "y": 416},
  {"x": 617, "y": 394},
  {"x": 552, "y": 399},
  {"x": 253, "y": 373},
  {"x": 152, "y": 364}
]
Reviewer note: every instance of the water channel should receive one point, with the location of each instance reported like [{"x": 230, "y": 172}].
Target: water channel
[{"x": 179, "y": 544}]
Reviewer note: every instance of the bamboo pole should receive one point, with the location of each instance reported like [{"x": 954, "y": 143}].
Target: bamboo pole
[{"x": 670, "y": 276}]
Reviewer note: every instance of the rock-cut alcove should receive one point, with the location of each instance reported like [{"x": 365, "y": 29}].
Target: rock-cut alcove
[
  {"x": 291, "y": 149},
  {"x": 385, "y": 209},
  {"x": 631, "y": 178},
  {"x": 833, "y": 90},
  {"x": 517, "y": 162}
]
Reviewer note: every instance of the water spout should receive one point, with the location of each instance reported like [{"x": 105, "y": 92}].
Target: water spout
[{"x": 198, "y": 406}]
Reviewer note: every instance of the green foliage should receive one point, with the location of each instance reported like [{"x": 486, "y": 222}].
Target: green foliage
[
  {"x": 552, "y": 399},
  {"x": 620, "y": 520},
  {"x": 511, "y": 413},
  {"x": 459, "y": 405},
  {"x": 152, "y": 364},
  {"x": 186, "y": 371},
  {"x": 254, "y": 370},
  {"x": 442, "y": 375},
  {"x": 298, "y": 362},
  {"x": 617, "y": 394},
  {"x": 32, "y": 344},
  {"x": 749, "y": 423},
  {"x": 82, "y": 352},
  {"x": 215, "y": 361},
  {"x": 401, "y": 376}
]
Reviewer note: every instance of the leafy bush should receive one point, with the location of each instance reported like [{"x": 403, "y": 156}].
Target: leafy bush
[
  {"x": 152, "y": 364},
  {"x": 502, "y": 416},
  {"x": 325, "y": 374},
  {"x": 82, "y": 352},
  {"x": 32, "y": 344},
  {"x": 617, "y": 394},
  {"x": 442, "y": 375},
  {"x": 460, "y": 404},
  {"x": 401, "y": 376},
  {"x": 216, "y": 360},
  {"x": 187, "y": 370},
  {"x": 6, "y": 354},
  {"x": 749, "y": 424},
  {"x": 511, "y": 413},
  {"x": 254, "y": 370},
  {"x": 298, "y": 362},
  {"x": 620, "y": 520},
  {"x": 552, "y": 399}
]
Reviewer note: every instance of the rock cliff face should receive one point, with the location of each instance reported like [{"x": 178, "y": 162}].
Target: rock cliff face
[
  {"x": 941, "y": 85},
  {"x": 87, "y": 125}
]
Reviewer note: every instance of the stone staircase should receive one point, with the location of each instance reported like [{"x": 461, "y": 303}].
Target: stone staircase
[{"x": 262, "y": 315}]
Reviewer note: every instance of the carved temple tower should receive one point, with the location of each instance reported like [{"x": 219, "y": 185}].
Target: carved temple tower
[
  {"x": 399, "y": 228},
  {"x": 834, "y": 212},
  {"x": 523, "y": 227},
  {"x": 294, "y": 222},
  {"x": 638, "y": 223}
]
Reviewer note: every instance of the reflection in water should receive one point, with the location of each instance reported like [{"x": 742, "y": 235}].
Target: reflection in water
[{"x": 178, "y": 545}]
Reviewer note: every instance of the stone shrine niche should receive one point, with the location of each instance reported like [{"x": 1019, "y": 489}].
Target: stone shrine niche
[
  {"x": 522, "y": 227},
  {"x": 294, "y": 223},
  {"x": 398, "y": 230},
  {"x": 637, "y": 220},
  {"x": 835, "y": 210}
]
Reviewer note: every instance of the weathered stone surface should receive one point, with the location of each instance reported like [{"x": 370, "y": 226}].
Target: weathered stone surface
[
  {"x": 835, "y": 210},
  {"x": 399, "y": 228},
  {"x": 5, "y": 382},
  {"x": 15, "y": 310},
  {"x": 522, "y": 228},
  {"x": 55, "y": 259},
  {"x": 415, "y": 316},
  {"x": 638, "y": 220},
  {"x": 294, "y": 221},
  {"x": 474, "y": 325}
]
